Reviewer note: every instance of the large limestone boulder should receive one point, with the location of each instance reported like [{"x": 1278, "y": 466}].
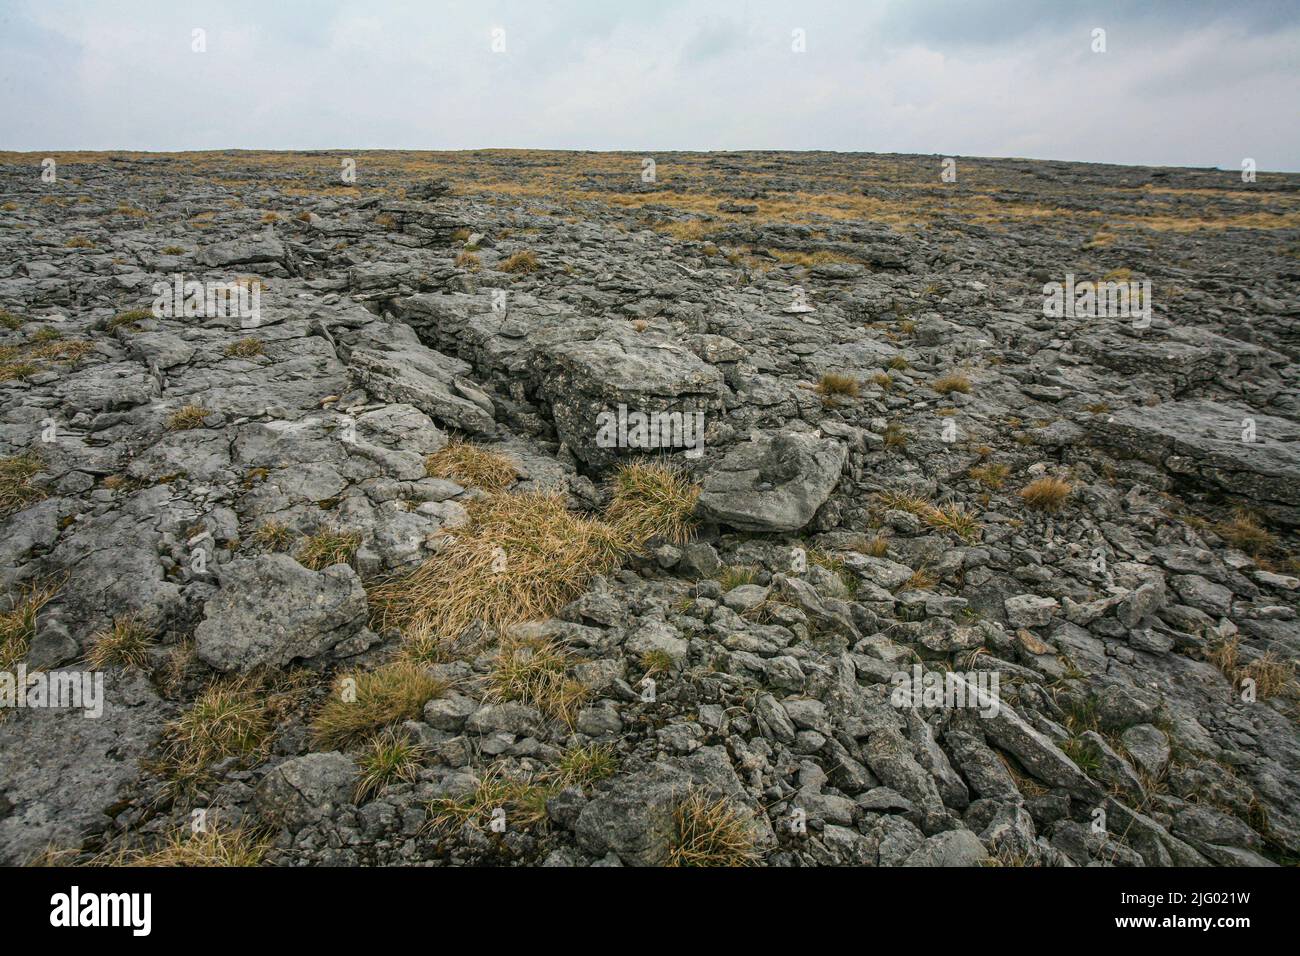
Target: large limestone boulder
[
  {"x": 582, "y": 380},
  {"x": 772, "y": 483},
  {"x": 272, "y": 610}
]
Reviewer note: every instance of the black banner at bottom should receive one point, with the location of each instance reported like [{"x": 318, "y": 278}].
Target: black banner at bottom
[{"x": 334, "y": 905}]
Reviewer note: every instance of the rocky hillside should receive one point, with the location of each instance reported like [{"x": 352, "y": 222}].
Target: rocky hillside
[{"x": 335, "y": 468}]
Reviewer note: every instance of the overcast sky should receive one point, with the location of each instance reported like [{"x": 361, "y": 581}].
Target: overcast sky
[{"x": 1183, "y": 82}]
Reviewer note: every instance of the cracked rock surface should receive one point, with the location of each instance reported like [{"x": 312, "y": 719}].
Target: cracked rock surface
[{"x": 878, "y": 383}]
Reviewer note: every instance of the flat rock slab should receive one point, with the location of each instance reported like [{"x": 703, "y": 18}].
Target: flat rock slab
[
  {"x": 428, "y": 380},
  {"x": 773, "y": 483},
  {"x": 1204, "y": 442},
  {"x": 61, "y": 770},
  {"x": 272, "y": 610}
]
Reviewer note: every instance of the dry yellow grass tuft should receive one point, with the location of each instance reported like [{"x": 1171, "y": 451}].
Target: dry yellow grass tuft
[
  {"x": 230, "y": 718},
  {"x": 582, "y": 766},
  {"x": 951, "y": 382},
  {"x": 521, "y": 557},
  {"x": 473, "y": 466},
  {"x": 653, "y": 500},
  {"x": 17, "y": 371},
  {"x": 1245, "y": 532},
  {"x": 922, "y": 579},
  {"x": 365, "y": 701},
  {"x": 523, "y": 262},
  {"x": 536, "y": 672},
  {"x": 521, "y": 798},
  {"x": 1269, "y": 673},
  {"x": 213, "y": 847},
  {"x": 1046, "y": 493},
  {"x": 245, "y": 348},
  {"x": 991, "y": 475},
  {"x": 733, "y": 576},
  {"x": 18, "y": 624},
  {"x": 16, "y": 488},
  {"x": 272, "y": 535},
  {"x": 128, "y": 319},
  {"x": 954, "y": 518},
  {"x": 904, "y": 501},
  {"x": 468, "y": 261},
  {"x": 833, "y": 385},
  {"x": 710, "y": 832},
  {"x": 125, "y": 644},
  {"x": 328, "y": 547},
  {"x": 387, "y": 758},
  {"x": 186, "y": 417}
]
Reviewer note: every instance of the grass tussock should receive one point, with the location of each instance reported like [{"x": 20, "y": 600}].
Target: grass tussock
[
  {"x": 387, "y": 758},
  {"x": 71, "y": 351},
  {"x": 231, "y": 718},
  {"x": 954, "y": 518},
  {"x": 922, "y": 579},
  {"x": 125, "y": 644},
  {"x": 583, "y": 766},
  {"x": 653, "y": 500},
  {"x": 536, "y": 673},
  {"x": 950, "y": 383},
  {"x": 657, "y": 662},
  {"x": 187, "y": 417},
  {"x": 523, "y": 262},
  {"x": 17, "y": 371},
  {"x": 18, "y": 624},
  {"x": 833, "y": 386},
  {"x": 895, "y": 435},
  {"x": 468, "y": 261},
  {"x": 521, "y": 557},
  {"x": 212, "y": 847},
  {"x": 518, "y": 801},
  {"x": 733, "y": 576},
  {"x": 363, "y": 702},
  {"x": 1245, "y": 532},
  {"x": 1046, "y": 493},
  {"x": 1270, "y": 673},
  {"x": 876, "y": 547},
  {"x": 991, "y": 475},
  {"x": 17, "y": 490},
  {"x": 327, "y": 548},
  {"x": 128, "y": 319},
  {"x": 904, "y": 501},
  {"x": 710, "y": 832},
  {"x": 273, "y": 536},
  {"x": 245, "y": 348},
  {"x": 473, "y": 466}
]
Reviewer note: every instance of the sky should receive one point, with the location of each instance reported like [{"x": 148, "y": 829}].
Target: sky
[{"x": 1179, "y": 82}]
